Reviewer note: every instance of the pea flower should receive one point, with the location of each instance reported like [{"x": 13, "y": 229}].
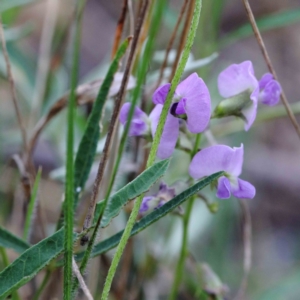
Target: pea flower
[
  {"x": 151, "y": 203},
  {"x": 270, "y": 90},
  {"x": 239, "y": 85},
  {"x": 139, "y": 123},
  {"x": 191, "y": 102},
  {"x": 223, "y": 158}
]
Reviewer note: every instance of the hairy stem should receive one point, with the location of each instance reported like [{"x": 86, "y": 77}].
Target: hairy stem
[{"x": 152, "y": 155}]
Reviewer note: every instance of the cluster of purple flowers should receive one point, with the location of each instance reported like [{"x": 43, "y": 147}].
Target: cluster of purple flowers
[{"x": 242, "y": 92}]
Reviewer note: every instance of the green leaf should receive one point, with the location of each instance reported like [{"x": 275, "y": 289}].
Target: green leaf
[
  {"x": 9, "y": 240},
  {"x": 139, "y": 185},
  {"x": 28, "y": 264},
  {"x": 88, "y": 145},
  {"x": 272, "y": 21},
  {"x": 113, "y": 241}
]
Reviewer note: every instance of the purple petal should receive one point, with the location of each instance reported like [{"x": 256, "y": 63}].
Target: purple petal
[
  {"x": 266, "y": 78},
  {"x": 217, "y": 158},
  {"x": 237, "y": 78},
  {"x": 250, "y": 112},
  {"x": 270, "y": 95},
  {"x": 196, "y": 101},
  {"x": 145, "y": 204},
  {"x": 180, "y": 107},
  {"x": 170, "y": 133},
  {"x": 138, "y": 124},
  {"x": 244, "y": 189},
  {"x": 160, "y": 94},
  {"x": 223, "y": 189}
]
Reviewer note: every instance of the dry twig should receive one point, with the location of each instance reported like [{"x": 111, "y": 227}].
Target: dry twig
[
  {"x": 269, "y": 64},
  {"x": 12, "y": 86}
]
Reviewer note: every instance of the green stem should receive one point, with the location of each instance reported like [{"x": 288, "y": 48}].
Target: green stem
[
  {"x": 183, "y": 251},
  {"x": 69, "y": 188},
  {"x": 152, "y": 155},
  {"x": 42, "y": 286},
  {"x": 29, "y": 214},
  {"x": 6, "y": 263},
  {"x": 184, "y": 246}
]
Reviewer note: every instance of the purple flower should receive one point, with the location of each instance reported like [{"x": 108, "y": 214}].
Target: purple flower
[
  {"x": 193, "y": 102},
  {"x": 237, "y": 79},
  {"x": 270, "y": 90},
  {"x": 223, "y": 158},
  {"x": 151, "y": 203},
  {"x": 139, "y": 120}
]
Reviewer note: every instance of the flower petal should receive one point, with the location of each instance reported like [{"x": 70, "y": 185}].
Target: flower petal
[
  {"x": 223, "y": 189},
  {"x": 244, "y": 189},
  {"x": 138, "y": 124},
  {"x": 217, "y": 158},
  {"x": 250, "y": 112},
  {"x": 196, "y": 100},
  {"x": 170, "y": 133},
  {"x": 236, "y": 79},
  {"x": 270, "y": 95},
  {"x": 180, "y": 107},
  {"x": 266, "y": 78},
  {"x": 160, "y": 94}
]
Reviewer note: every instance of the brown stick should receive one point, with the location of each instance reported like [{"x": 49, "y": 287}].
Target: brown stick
[
  {"x": 170, "y": 44},
  {"x": 12, "y": 86},
  {"x": 269, "y": 64},
  {"x": 114, "y": 119},
  {"x": 183, "y": 36},
  {"x": 119, "y": 28}
]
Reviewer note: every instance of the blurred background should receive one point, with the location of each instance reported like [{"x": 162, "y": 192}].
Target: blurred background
[{"x": 272, "y": 148}]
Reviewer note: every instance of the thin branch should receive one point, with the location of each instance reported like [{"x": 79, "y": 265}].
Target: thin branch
[
  {"x": 183, "y": 37},
  {"x": 269, "y": 64},
  {"x": 131, "y": 17},
  {"x": 44, "y": 58},
  {"x": 170, "y": 44},
  {"x": 12, "y": 86},
  {"x": 113, "y": 122},
  {"x": 119, "y": 29},
  {"x": 82, "y": 284},
  {"x": 247, "y": 240}
]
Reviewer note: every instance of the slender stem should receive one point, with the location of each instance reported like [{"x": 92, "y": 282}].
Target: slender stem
[
  {"x": 119, "y": 29},
  {"x": 69, "y": 189},
  {"x": 114, "y": 120},
  {"x": 44, "y": 58},
  {"x": 152, "y": 155},
  {"x": 269, "y": 64},
  {"x": 184, "y": 245},
  {"x": 6, "y": 263},
  {"x": 183, "y": 252},
  {"x": 12, "y": 86},
  {"x": 171, "y": 41},
  {"x": 31, "y": 206},
  {"x": 42, "y": 286}
]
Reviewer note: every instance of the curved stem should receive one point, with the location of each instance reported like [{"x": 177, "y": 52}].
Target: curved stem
[{"x": 183, "y": 251}]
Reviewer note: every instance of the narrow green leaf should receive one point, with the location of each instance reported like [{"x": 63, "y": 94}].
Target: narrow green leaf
[
  {"x": 88, "y": 145},
  {"x": 9, "y": 240},
  {"x": 113, "y": 241},
  {"x": 272, "y": 21},
  {"x": 29, "y": 214},
  {"x": 31, "y": 262},
  {"x": 139, "y": 185}
]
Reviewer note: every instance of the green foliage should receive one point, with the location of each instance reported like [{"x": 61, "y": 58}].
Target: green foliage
[
  {"x": 146, "y": 221},
  {"x": 139, "y": 185},
  {"x": 31, "y": 262},
  {"x": 88, "y": 145},
  {"x": 8, "y": 240}
]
